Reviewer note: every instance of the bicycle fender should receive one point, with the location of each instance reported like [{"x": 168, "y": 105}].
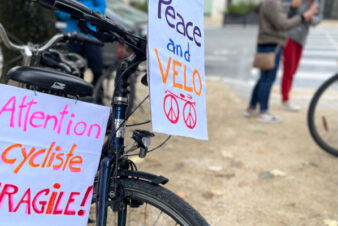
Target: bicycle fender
[{"x": 143, "y": 175}]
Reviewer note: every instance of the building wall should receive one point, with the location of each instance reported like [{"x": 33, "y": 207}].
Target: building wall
[
  {"x": 213, "y": 11},
  {"x": 245, "y": 1},
  {"x": 335, "y": 10}
]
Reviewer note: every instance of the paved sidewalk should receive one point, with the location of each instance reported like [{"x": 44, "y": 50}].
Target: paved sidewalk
[
  {"x": 250, "y": 173},
  {"x": 330, "y": 23}
]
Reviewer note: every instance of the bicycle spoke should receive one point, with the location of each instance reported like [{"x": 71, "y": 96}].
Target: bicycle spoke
[
  {"x": 145, "y": 214},
  {"x": 158, "y": 217},
  {"x": 115, "y": 217},
  {"x": 129, "y": 213},
  {"x": 12, "y": 61}
]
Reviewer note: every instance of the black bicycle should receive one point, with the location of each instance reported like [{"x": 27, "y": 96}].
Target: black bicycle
[
  {"x": 54, "y": 54},
  {"x": 322, "y": 116},
  {"x": 135, "y": 198},
  {"x": 104, "y": 87}
]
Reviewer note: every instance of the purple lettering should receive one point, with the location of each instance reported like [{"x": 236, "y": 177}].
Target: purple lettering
[
  {"x": 197, "y": 32},
  {"x": 181, "y": 23},
  {"x": 172, "y": 15},
  {"x": 160, "y": 5},
  {"x": 189, "y": 24}
]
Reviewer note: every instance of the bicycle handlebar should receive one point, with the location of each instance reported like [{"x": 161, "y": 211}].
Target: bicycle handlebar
[
  {"x": 83, "y": 38},
  {"x": 74, "y": 8},
  {"x": 107, "y": 30},
  {"x": 7, "y": 42},
  {"x": 56, "y": 38}
]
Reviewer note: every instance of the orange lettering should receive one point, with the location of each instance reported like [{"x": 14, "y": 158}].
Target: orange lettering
[
  {"x": 25, "y": 157},
  {"x": 70, "y": 154},
  {"x": 3, "y": 156},
  {"x": 31, "y": 160},
  {"x": 177, "y": 85},
  {"x": 49, "y": 150},
  {"x": 75, "y": 160},
  {"x": 60, "y": 158},
  {"x": 164, "y": 76},
  {"x": 199, "y": 78},
  {"x": 186, "y": 88}
]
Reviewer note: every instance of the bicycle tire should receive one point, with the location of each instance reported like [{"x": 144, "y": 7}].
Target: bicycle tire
[
  {"x": 110, "y": 77},
  {"x": 311, "y": 116},
  {"x": 162, "y": 200}
]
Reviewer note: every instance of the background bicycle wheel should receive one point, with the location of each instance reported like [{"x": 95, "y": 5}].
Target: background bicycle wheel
[
  {"x": 323, "y": 117},
  {"x": 150, "y": 204}
]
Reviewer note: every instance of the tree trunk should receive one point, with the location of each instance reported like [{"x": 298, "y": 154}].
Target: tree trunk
[{"x": 24, "y": 22}]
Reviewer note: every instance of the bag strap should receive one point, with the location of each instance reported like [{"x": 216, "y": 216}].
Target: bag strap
[{"x": 278, "y": 48}]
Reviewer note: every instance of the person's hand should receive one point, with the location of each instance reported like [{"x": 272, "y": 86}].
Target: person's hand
[
  {"x": 296, "y": 3},
  {"x": 311, "y": 12}
]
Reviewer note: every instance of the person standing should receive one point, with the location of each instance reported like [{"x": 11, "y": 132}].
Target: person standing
[
  {"x": 92, "y": 53},
  {"x": 272, "y": 36},
  {"x": 294, "y": 48}
]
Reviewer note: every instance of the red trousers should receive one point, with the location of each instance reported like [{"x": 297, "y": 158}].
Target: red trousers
[{"x": 291, "y": 54}]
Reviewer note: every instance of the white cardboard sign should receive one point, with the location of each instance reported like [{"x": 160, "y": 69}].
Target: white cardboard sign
[
  {"x": 176, "y": 67},
  {"x": 49, "y": 153}
]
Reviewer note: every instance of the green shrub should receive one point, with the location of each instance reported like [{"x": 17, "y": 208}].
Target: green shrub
[
  {"x": 242, "y": 8},
  {"x": 141, "y": 6}
]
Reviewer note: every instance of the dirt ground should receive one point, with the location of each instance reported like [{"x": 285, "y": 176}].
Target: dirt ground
[{"x": 250, "y": 173}]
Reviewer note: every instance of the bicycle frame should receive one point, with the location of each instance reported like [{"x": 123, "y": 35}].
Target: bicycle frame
[
  {"x": 116, "y": 139},
  {"x": 107, "y": 31}
]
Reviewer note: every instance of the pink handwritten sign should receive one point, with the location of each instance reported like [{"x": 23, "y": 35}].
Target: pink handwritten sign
[{"x": 49, "y": 153}]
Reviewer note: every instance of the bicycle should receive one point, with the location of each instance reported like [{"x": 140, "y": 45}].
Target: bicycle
[
  {"x": 118, "y": 185},
  {"x": 53, "y": 54},
  {"x": 104, "y": 87},
  {"x": 322, "y": 118}
]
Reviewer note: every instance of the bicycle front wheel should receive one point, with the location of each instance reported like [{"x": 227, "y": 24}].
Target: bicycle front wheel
[
  {"x": 150, "y": 204},
  {"x": 323, "y": 116}
]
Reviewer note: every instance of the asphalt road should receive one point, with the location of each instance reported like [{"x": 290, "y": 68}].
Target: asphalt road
[{"x": 229, "y": 54}]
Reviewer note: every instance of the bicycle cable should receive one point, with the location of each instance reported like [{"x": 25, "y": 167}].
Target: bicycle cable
[
  {"x": 139, "y": 124},
  {"x": 155, "y": 148},
  {"x": 138, "y": 106},
  {"x": 13, "y": 37},
  {"x": 160, "y": 145},
  {"x": 12, "y": 61},
  {"x": 127, "y": 117}
]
